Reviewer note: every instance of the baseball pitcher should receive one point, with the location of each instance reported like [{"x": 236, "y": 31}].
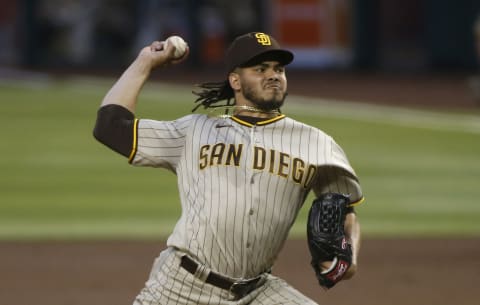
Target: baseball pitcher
[{"x": 242, "y": 178}]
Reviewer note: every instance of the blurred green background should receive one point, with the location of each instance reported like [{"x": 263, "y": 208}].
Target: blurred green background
[{"x": 420, "y": 170}]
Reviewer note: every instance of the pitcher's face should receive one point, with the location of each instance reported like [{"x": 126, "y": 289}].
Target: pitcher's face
[{"x": 263, "y": 86}]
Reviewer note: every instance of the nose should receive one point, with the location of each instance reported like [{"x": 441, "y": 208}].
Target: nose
[{"x": 273, "y": 75}]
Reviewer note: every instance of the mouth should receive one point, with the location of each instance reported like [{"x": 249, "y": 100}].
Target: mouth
[{"x": 273, "y": 86}]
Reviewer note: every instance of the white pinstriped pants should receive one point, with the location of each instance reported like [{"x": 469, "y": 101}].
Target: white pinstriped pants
[{"x": 170, "y": 284}]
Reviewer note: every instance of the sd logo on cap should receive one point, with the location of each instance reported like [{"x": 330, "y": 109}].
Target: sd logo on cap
[{"x": 253, "y": 48}]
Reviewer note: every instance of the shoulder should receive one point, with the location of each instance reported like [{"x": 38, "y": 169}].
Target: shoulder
[
  {"x": 304, "y": 127},
  {"x": 191, "y": 118}
]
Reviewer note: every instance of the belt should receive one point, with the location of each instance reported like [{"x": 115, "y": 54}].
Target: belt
[{"x": 238, "y": 288}]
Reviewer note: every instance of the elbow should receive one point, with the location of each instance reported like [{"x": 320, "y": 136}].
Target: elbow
[
  {"x": 99, "y": 130},
  {"x": 97, "y": 134},
  {"x": 111, "y": 119},
  {"x": 114, "y": 128}
]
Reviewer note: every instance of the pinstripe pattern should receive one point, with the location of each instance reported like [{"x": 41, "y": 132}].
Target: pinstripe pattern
[
  {"x": 169, "y": 284},
  {"x": 241, "y": 187}
]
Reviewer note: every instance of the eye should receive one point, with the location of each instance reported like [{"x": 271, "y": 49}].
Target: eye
[
  {"x": 260, "y": 69},
  {"x": 280, "y": 69}
]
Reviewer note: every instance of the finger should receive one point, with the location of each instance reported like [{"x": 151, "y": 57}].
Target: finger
[
  {"x": 183, "y": 58},
  {"x": 169, "y": 49},
  {"x": 326, "y": 265},
  {"x": 157, "y": 46}
]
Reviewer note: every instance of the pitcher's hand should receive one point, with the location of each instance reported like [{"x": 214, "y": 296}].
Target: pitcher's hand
[{"x": 160, "y": 54}]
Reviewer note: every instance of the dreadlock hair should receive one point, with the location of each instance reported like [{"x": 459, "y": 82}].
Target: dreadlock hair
[{"x": 213, "y": 92}]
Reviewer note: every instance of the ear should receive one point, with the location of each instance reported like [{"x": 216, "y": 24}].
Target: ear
[{"x": 234, "y": 80}]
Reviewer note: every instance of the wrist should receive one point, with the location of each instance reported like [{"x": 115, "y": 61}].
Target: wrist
[
  {"x": 142, "y": 65},
  {"x": 350, "y": 272}
]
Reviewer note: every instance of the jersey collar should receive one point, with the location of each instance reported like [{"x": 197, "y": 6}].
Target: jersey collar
[{"x": 260, "y": 123}]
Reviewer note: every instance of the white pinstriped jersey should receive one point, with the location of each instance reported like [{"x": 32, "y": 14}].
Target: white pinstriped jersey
[{"x": 241, "y": 185}]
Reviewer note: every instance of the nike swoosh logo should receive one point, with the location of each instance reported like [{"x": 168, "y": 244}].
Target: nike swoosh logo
[{"x": 222, "y": 126}]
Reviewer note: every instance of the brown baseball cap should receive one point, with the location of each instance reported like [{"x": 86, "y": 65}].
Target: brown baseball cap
[{"x": 253, "y": 48}]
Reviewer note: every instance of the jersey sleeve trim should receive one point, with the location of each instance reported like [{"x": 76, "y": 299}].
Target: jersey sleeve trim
[{"x": 135, "y": 141}]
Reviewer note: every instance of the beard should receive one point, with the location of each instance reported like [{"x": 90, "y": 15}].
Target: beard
[{"x": 273, "y": 103}]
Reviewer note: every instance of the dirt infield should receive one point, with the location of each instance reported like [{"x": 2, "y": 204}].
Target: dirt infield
[{"x": 393, "y": 272}]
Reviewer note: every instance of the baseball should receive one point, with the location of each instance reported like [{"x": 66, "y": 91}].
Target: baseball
[{"x": 180, "y": 45}]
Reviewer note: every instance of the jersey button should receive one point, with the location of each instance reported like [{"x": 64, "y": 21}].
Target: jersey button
[
  {"x": 248, "y": 244},
  {"x": 251, "y": 212}
]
